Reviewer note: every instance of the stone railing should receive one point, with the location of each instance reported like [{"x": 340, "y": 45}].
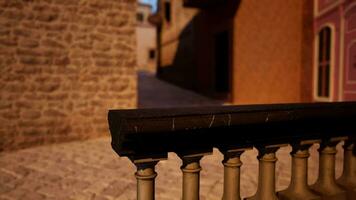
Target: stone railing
[{"x": 146, "y": 136}]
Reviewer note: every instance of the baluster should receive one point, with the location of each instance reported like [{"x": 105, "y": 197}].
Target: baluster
[
  {"x": 266, "y": 175},
  {"x": 232, "y": 164},
  {"x": 298, "y": 188},
  {"x": 145, "y": 176},
  {"x": 326, "y": 183},
  {"x": 191, "y": 175},
  {"x": 348, "y": 177}
]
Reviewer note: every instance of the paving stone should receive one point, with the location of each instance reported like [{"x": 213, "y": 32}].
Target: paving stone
[
  {"x": 153, "y": 93},
  {"x": 15, "y": 194},
  {"x": 118, "y": 181},
  {"x": 4, "y": 188}
]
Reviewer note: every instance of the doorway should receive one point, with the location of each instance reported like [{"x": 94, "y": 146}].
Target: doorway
[{"x": 222, "y": 64}]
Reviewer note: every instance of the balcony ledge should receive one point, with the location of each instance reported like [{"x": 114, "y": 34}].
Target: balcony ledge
[{"x": 158, "y": 131}]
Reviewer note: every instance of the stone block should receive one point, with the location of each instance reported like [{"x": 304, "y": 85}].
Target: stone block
[
  {"x": 5, "y": 105},
  {"x": 13, "y": 15},
  {"x": 68, "y": 38},
  {"x": 28, "y": 52},
  {"x": 101, "y": 55},
  {"x": 34, "y": 60},
  {"x": 54, "y": 113},
  {"x": 62, "y": 61},
  {"x": 102, "y": 46},
  {"x": 8, "y": 41},
  {"x": 98, "y": 37},
  {"x": 47, "y": 16},
  {"x": 66, "y": 2},
  {"x": 12, "y": 115},
  {"x": 30, "y": 25},
  {"x": 85, "y": 45},
  {"x": 4, "y": 32},
  {"x": 25, "y": 32},
  {"x": 14, "y": 78},
  {"x": 88, "y": 11},
  {"x": 48, "y": 87},
  {"x": 63, "y": 130},
  {"x": 54, "y": 27},
  {"x": 29, "y": 43},
  {"x": 15, "y": 88},
  {"x": 52, "y": 44},
  {"x": 30, "y": 114},
  {"x": 12, "y": 4},
  {"x": 22, "y": 32},
  {"x": 97, "y": 4},
  {"x": 118, "y": 22},
  {"x": 28, "y": 70},
  {"x": 104, "y": 63},
  {"x": 23, "y": 104},
  {"x": 90, "y": 21}
]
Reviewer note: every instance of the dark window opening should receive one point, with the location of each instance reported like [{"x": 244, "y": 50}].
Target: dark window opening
[
  {"x": 139, "y": 17},
  {"x": 152, "y": 54},
  {"x": 324, "y": 62},
  {"x": 222, "y": 62},
  {"x": 167, "y": 10}
]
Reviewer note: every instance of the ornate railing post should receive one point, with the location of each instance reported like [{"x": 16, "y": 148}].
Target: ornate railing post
[
  {"x": 348, "y": 177},
  {"x": 326, "y": 183},
  {"x": 266, "y": 188},
  {"x": 232, "y": 164},
  {"x": 298, "y": 188},
  {"x": 191, "y": 175},
  {"x": 145, "y": 176}
]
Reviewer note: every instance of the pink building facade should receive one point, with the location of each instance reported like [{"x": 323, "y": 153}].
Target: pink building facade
[{"x": 334, "y": 71}]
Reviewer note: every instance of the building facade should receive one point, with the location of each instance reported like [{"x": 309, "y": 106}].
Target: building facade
[
  {"x": 334, "y": 50},
  {"x": 63, "y": 64},
  {"x": 146, "y": 35},
  {"x": 245, "y": 52}
]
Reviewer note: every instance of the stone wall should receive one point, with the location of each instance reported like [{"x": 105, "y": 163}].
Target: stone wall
[{"x": 63, "y": 64}]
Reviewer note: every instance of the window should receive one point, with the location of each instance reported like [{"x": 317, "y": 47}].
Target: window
[
  {"x": 152, "y": 54},
  {"x": 139, "y": 17},
  {"x": 323, "y": 67},
  {"x": 167, "y": 10}
]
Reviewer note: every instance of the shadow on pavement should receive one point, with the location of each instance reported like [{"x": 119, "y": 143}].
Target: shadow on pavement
[{"x": 155, "y": 93}]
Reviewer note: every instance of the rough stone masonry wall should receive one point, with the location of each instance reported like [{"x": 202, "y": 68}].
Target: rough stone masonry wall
[{"x": 63, "y": 64}]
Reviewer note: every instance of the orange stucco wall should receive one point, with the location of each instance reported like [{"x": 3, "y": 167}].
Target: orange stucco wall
[
  {"x": 270, "y": 49},
  {"x": 270, "y": 52}
]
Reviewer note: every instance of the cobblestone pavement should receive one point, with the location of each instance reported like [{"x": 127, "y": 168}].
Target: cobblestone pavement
[{"x": 88, "y": 170}]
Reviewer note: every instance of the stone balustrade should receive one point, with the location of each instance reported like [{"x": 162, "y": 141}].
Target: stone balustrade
[{"x": 146, "y": 136}]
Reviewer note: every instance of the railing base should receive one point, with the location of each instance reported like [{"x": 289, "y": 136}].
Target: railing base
[
  {"x": 342, "y": 196},
  {"x": 292, "y": 195},
  {"x": 351, "y": 194},
  {"x": 270, "y": 197}
]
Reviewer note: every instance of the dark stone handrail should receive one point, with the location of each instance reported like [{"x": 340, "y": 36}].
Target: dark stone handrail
[{"x": 150, "y": 132}]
